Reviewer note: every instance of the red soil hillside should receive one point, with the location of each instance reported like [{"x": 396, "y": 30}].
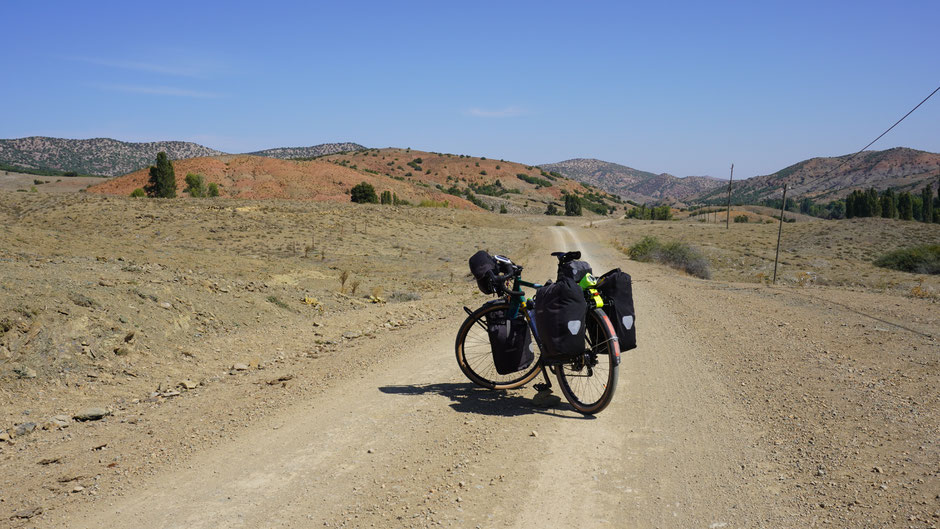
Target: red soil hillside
[
  {"x": 447, "y": 170},
  {"x": 256, "y": 177},
  {"x": 497, "y": 185}
]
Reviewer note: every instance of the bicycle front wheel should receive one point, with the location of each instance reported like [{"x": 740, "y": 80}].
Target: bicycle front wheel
[
  {"x": 589, "y": 382},
  {"x": 475, "y": 357}
]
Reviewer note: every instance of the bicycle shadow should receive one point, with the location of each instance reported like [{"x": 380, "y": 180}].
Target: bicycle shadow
[{"x": 470, "y": 398}]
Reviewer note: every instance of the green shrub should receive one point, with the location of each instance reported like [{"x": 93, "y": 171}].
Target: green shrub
[
  {"x": 138, "y": 193},
  {"x": 213, "y": 190},
  {"x": 363, "y": 193},
  {"x": 552, "y": 209},
  {"x": 502, "y": 209},
  {"x": 433, "y": 204},
  {"x": 923, "y": 259},
  {"x": 195, "y": 185},
  {"x": 679, "y": 255},
  {"x": 533, "y": 180},
  {"x": 740, "y": 218}
]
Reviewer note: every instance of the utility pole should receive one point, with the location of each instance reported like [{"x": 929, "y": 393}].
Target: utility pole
[
  {"x": 728, "y": 220},
  {"x": 780, "y": 231}
]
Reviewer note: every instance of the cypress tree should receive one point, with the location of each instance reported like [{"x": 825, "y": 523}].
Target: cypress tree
[
  {"x": 850, "y": 205},
  {"x": 928, "y": 204},
  {"x": 162, "y": 183},
  {"x": 905, "y": 206},
  {"x": 874, "y": 204}
]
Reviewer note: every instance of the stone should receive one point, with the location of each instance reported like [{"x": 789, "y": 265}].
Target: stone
[
  {"x": 166, "y": 305},
  {"x": 91, "y": 414},
  {"x": 240, "y": 367},
  {"x": 170, "y": 393},
  {"x": 78, "y": 488},
  {"x": 4, "y": 436},
  {"x": 26, "y": 514},
  {"x": 56, "y": 423},
  {"x": 24, "y": 429},
  {"x": 188, "y": 384},
  {"x": 534, "y": 434},
  {"x": 349, "y": 335},
  {"x": 122, "y": 351},
  {"x": 25, "y": 372}
]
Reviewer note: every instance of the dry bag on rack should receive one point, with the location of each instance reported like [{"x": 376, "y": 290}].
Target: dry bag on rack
[
  {"x": 483, "y": 268},
  {"x": 574, "y": 270},
  {"x": 510, "y": 341},
  {"x": 616, "y": 288},
  {"x": 560, "y": 309}
]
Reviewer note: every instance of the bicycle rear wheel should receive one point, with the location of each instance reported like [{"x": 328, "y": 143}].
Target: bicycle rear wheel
[
  {"x": 475, "y": 357},
  {"x": 589, "y": 382}
]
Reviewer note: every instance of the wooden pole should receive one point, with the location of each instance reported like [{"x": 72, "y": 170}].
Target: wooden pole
[
  {"x": 780, "y": 231},
  {"x": 728, "y": 220}
]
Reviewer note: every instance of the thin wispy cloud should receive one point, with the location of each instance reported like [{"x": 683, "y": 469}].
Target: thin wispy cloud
[
  {"x": 164, "y": 69},
  {"x": 508, "y": 112},
  {"x": 159, "y": 91}
]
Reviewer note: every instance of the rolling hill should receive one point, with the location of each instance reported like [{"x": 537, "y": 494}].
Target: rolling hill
[
  {"x": 97, "y": 156},
  {"x": 109, "y": 157},
  {"x": 286, "y": 153},
  {"x": 633, "y": 184},
  {"x": 822, "y": 179},
  {"x": 414, "y": 176}
]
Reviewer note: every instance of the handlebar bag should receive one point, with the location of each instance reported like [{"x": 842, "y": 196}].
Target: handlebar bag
[
  {"x": 574, "y": 270},
  {"x": 483, "y": 268},
  {"x": 616, "y": 288},
  {"x": 560, "y": 310},
  {"x": 510, "y": 341}
]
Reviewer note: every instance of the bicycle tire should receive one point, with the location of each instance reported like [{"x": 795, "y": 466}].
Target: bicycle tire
[
  {"x": 590, "y": 390},
  {"x": 475, "y": 357}
]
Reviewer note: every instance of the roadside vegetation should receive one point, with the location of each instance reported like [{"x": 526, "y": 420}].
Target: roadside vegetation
[
  {"x": 678, "y": 255},
  {"x": 922, "y": 259}
]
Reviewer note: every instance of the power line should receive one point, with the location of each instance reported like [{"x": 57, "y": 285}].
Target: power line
[{"x": 847, "y": 160}]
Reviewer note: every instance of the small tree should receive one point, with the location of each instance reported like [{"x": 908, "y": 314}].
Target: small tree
[
  {"x": 162, "y": 183},
  {"x": 502, "y": 209},
  {"x": 363, "y": 193},
  {"x": 195, "y": 185},
  {"x": 551, "y": 210},
  {"x": 213, "y": 190},
  {"x": 386, "y": 197},
  {"x": 928, "y": 204},
  {"x": 905, "y": 206},
  {"x": 572, "y": 206}
]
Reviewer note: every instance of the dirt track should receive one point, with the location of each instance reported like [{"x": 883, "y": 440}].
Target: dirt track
[{"x": 739, "y": 421}]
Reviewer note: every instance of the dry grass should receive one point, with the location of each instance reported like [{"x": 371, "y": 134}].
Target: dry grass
[{"x": 837, "y": 253}]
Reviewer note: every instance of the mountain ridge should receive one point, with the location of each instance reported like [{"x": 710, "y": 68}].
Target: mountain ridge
[
  {"x": 111, "y": 157},
  {"x": 633, "y": 184}
]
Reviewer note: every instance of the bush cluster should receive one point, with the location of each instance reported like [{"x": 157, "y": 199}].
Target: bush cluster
[
  {"x": 676, "y": 254},
  {"x": 923, "y": 259}
]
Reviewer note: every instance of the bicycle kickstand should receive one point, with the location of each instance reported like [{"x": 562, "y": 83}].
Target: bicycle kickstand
[{"x": 547, "y": 386}]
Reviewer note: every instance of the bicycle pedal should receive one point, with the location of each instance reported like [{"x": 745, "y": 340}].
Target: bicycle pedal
[{"x": 541, "y": 386}]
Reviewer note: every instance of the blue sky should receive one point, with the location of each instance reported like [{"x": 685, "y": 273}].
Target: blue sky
[{"x": 685, "y": 88}]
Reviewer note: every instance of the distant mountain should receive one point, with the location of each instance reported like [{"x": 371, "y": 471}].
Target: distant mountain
[
  {"x": 308, "y": 152},
  {"x": 899, "y": 168},
  {"x": 633, "y": 184},
  {"x": 97, "y": 156}
]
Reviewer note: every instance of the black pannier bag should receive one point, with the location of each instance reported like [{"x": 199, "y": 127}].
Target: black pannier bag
[
  {"x": 574, "y": 270},
  {"x": 510, "y": 341},
  {"x": 483, "y": 268},
  {"x": 616, "y": 288},
  {"x": 560, "y": 309}
]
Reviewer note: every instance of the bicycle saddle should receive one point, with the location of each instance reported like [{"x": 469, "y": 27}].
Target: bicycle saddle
[{"x": 564, "y": 257}]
